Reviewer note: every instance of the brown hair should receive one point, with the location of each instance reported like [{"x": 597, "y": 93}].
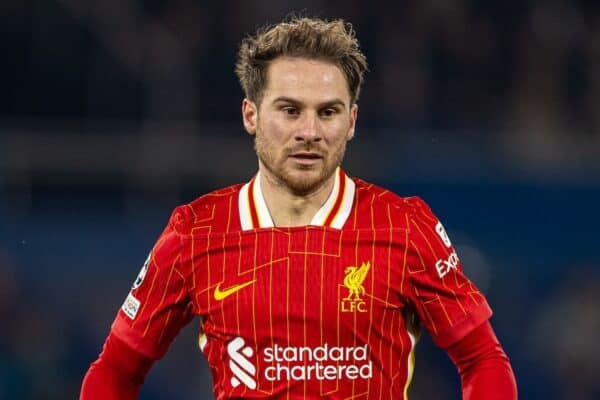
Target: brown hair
[{"x": 312, "y": 38}]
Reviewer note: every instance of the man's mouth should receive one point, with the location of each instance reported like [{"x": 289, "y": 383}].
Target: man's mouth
[
  {"x": 306, "y": 158},
  {"x": 307, "y": 155}
]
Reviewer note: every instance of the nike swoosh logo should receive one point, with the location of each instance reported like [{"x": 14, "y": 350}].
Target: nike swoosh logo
[{"x": 221, "y": 294}]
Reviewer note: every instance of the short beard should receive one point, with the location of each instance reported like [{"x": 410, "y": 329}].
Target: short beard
[{"x": 299, "y": 187}]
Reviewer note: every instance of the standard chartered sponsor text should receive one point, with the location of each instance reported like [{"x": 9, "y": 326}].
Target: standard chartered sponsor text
[{"x": 321, "y": 363}]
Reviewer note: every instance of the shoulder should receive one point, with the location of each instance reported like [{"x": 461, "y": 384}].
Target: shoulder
[
  {"x": 380, "y": 199},
  {"x": 214, "y": 211}
]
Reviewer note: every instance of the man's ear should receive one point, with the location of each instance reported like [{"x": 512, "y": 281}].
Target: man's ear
[
  {"x": 353, "y": 116},
  {"x": 249, "y": 115}
]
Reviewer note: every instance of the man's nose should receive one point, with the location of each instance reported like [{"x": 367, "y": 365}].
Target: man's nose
[{"x": 309, "y": 130}]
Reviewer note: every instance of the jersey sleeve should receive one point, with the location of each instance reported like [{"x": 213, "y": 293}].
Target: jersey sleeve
[
  {"x": 158, "y": 304},
  {"x": 446, "y": 301}
]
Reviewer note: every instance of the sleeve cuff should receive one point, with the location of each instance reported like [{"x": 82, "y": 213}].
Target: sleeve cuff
[
  {"x": 461, "y": 328},
  {"x": 146, "y": 346}
]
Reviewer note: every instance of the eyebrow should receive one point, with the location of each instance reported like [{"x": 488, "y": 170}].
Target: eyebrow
[{"x": 324, "y": 104}]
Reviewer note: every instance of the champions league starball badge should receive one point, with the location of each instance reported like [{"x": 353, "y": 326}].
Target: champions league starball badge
[{"x": 142, "y": 274}]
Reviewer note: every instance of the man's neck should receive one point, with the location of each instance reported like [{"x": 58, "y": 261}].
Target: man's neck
[{"x": 289, "y": 209}]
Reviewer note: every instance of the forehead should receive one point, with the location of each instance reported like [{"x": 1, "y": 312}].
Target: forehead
[{"x": 304, "y": 78}]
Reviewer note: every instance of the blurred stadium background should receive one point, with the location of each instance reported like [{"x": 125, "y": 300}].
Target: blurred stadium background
[{"x": 114, "y": 112}]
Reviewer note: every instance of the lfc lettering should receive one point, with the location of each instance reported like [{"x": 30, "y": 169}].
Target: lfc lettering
[{"x": 353, "y": 305}]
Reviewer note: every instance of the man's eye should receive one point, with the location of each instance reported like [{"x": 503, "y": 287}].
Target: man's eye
[
  {"x": 290, "y": 110},
  {"x": 329, "y": 112}
]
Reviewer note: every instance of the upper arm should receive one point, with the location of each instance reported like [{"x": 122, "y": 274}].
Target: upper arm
[
  {"x": 447, "y": 302},
  {"x": 158, "y": 304}
]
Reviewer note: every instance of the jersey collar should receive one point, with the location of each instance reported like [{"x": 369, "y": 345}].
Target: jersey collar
[{"x": 254, "y": 213}]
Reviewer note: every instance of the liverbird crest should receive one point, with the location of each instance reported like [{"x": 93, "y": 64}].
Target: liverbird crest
[{"x": 354, "y": 279}]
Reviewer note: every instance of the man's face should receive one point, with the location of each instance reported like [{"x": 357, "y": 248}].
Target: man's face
[{"x": 302, "y": 123}]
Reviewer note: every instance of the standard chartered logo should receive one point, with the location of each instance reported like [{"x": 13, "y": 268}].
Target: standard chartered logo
[
  {"x": 299, "y": 363},
  {"x": 320, "y": 363},
  {"x": 243, "y": 370}
]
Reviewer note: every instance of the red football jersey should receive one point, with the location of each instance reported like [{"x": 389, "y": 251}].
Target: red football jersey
[{"x": 329, "y": 309}]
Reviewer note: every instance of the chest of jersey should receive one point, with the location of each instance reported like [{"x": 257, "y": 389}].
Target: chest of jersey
[
  {"x": 292, "y": 306},
  {"x": 301, "y": 285}
]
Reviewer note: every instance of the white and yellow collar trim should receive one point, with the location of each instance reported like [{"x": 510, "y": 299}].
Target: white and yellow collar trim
[{"x": 254, "y": 213}]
